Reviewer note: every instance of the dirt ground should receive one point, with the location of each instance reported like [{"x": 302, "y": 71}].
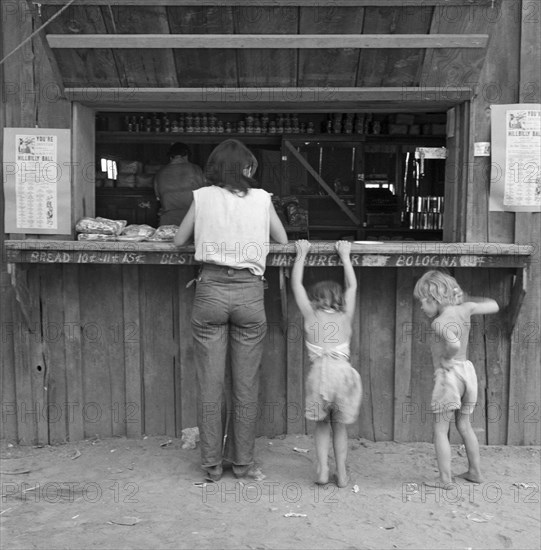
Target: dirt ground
[{"x": 148, "y": 493}]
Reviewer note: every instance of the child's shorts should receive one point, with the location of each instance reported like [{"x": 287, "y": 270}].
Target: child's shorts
[
  {"x": 340, "y": 400},
  {"x": 455, "y": 388}
]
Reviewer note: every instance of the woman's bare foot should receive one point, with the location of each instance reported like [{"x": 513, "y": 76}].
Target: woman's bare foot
[
  {"x": 471, "y": 477},
  {"x": 214, "y": 473}
]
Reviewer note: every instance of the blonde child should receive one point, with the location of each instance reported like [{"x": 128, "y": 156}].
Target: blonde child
[
  {"x": 333, "y": 386},
  {"x": 455, "y": 381}
]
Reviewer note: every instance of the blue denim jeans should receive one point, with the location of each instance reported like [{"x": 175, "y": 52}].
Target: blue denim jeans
[{"x": 228, "y": 315}]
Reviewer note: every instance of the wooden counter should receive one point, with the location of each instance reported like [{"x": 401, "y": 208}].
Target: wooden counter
[
  {"x": 100, "y": 342},
  {"x": 363, "y": 254}
]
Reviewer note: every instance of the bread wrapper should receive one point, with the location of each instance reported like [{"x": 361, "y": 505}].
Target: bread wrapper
[
  {"x": 164, "y": 233},
  {"x": 135, "y": 231},
  {"x": 102, "y": 226},
  {"x": 95, "y": 237}
]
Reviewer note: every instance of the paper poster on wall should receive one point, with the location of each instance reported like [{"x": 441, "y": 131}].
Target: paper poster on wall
[
  {"x": 515, "y": 179},
  {"x": 37, "y": 180}
]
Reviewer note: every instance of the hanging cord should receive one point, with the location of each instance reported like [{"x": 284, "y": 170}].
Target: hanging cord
[{"x": 37, "y": 31}]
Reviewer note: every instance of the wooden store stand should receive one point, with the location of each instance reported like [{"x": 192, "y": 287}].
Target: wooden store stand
[
  {"x": 369, "y": 134},
  {"x": 107, "y": 327}
]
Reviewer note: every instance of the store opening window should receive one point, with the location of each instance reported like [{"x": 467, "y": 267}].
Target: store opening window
[{"x": 366, "y": 176}]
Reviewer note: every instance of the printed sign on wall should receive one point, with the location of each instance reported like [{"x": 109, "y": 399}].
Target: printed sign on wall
[
  {"x": 36, "y": 182},
  {"x": 515, "y": 184}
]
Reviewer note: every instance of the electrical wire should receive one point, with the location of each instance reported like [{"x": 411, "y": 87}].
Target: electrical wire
[{"x": 28, "y": 38}]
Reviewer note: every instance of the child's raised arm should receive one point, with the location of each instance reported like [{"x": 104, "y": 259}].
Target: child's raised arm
[
  {"x": 482, "y": 306},
  {"x": 301, "y": 297},
  {"x": 350, "y": 293}
]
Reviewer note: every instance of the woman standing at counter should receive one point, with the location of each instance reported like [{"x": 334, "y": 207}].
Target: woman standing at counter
[{"x": 231, "y": 223}]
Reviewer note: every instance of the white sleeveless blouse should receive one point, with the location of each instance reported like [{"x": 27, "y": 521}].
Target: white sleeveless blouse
[{"x": 232, "y": 230}]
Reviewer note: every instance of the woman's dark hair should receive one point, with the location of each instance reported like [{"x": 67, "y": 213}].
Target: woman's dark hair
[
  {"x": 327, "y": 295},
  {"x": 226, "y": 163}
]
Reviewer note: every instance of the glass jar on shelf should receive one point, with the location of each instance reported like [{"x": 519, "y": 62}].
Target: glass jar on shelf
[
  {"x": 152, "y": 123},
  {"x": 359, "y": 124},
  {"x": 348, "y": 123},
  {"x": 328, "y": 125},
  {"x": 166, "y": 125}
]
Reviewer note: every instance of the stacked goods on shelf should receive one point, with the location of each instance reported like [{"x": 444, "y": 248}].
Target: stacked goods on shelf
[
  {"x": 423, "y": 212},
  {"x": 146, "y": 177},
  {"x": 127, "y": 172},
  {"x": 290, "y": 211},
  {"x": 273, "y": 123},
  {"x": 297, "y": 216},
  {"x": 210, "y": 123}
]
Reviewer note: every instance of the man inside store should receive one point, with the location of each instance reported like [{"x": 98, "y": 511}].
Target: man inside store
[{"x": 174, "y": 184}]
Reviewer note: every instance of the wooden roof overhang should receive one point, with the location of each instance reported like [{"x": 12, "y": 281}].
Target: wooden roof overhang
[{"x": 289, "y": 55}]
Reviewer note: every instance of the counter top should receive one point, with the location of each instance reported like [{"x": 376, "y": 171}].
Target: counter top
[{"x": 363, "y": 253}]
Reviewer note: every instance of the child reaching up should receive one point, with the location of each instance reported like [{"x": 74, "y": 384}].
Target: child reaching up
[
  {"x": 455, "y": 381},
  {"x": 333, "y": 386}
]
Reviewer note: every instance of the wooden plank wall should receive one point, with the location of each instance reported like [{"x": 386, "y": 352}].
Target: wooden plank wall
[
  {"x": 524, "y": 427},
  {"x": 118, "y": 358},
  {"x": 30, "y": 98},
  {"x": 510, "y": 74}
]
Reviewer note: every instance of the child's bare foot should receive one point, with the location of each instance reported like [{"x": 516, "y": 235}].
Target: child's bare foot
[
  {"x": 341, "y": 480},
  {"x": 438, "y": 483},
  {"x": 322, "y": 475},
  {"x": 472, "y": 477}
]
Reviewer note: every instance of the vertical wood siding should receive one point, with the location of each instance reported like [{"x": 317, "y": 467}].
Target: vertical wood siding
[{"x": 117, "y": 359}]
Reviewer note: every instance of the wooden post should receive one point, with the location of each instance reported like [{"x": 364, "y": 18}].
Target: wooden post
[
  {"x": 524, "y": 427},
  {"x": 83, "y": 184}
]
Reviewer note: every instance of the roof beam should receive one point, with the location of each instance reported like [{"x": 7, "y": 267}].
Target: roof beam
[
  {"x": 309, "y": 98},
  {"x": 272, "y": 3},
  {"x": 267, "y": 41}
]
